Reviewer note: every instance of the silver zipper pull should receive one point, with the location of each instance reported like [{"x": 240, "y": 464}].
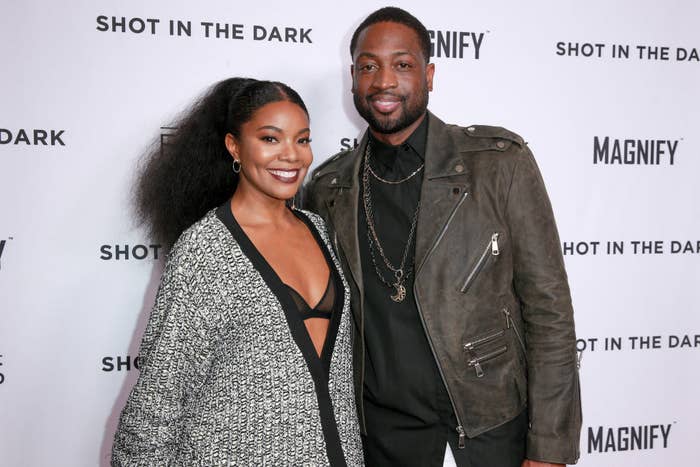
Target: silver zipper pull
[
  {"x": 478, "y": 369},
  {"x": 462, "y": 436},
  {"x": 494, "y": 245},
  {"x": 507, "y": 313}
]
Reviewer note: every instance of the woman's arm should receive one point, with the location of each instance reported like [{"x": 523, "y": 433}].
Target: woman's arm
[{"x": 173, "y": 360}]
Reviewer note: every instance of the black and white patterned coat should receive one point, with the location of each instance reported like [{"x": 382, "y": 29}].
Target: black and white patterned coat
[{"x": 223, "y": 379}]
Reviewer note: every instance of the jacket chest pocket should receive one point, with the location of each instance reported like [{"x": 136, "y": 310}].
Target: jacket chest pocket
[
  {"x": 481, "y": 349},
  {"x": 491, "y": 250}
]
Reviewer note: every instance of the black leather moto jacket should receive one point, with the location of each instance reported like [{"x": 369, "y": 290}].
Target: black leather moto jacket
[{"x": 490, "y": 282}]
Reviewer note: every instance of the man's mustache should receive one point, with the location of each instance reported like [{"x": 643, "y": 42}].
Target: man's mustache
[{"x": 393, "y": 96}]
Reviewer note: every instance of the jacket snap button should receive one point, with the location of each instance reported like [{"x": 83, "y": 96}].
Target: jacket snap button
[
  {"x": 500, "y": 145},
  {"x": 455, "y": 191},
  {"x": 459, "y": 168},
  {"x": 471, "y": 129}
]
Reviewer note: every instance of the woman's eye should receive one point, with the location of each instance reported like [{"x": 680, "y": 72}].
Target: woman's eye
[
  {"x": 304, "y": 140},
  {"x": 269, "y": 139}
]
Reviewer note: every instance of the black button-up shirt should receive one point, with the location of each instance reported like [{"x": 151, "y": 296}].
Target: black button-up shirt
[{"x": 408, "y": 412}]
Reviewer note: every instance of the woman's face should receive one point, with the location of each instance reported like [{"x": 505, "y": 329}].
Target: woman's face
[{"x": 274, "y": 150}]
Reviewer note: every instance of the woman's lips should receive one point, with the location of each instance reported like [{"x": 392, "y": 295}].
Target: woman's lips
[{"x": 285, "y": 176}]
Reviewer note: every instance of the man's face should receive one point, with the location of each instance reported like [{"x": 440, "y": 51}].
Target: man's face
[{"x": 390, "y": 79}]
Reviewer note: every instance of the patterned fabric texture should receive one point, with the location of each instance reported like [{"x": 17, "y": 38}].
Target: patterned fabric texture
[{"x": 222, "y": 382}]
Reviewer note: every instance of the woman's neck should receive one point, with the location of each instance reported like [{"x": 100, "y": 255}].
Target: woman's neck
[{"x": 256, "y": 209}]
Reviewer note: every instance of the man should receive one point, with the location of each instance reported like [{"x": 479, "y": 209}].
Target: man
[{"x": 464, "y": 325}]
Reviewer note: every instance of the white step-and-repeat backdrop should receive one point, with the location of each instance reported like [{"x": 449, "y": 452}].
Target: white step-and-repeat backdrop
[{"x": 605, "y": 92}]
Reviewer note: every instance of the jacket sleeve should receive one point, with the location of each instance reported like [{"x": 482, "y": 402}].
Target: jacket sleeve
[
  {"x": 308, "y": 196},
  {"x": 173, "y": 361},
  {"x": 541, "y": 284}
]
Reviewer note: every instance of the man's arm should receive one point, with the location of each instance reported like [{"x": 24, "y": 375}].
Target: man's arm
[
  {"x": 308, "y": 197},
  {"x": 540, "y": 282}
]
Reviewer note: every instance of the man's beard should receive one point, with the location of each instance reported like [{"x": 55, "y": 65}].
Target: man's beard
[{"x": 384, "y": 125}]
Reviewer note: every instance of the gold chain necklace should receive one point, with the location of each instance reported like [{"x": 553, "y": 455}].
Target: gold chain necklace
[
  {"x": 400, "y": 274},
  {"x": 394, "y": 182}
]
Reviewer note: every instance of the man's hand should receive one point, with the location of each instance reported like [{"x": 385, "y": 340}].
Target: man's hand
[{"x": 529, "y": 463}]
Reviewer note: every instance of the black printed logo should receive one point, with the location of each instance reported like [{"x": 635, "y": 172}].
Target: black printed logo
[
  {"x": 32, "y": 137},
  {"x": 3, "y": 243},
  {"x": 128, "y": 252},
  {"x": 120, "y": 363},
  {"x": 605, "y": 439}
]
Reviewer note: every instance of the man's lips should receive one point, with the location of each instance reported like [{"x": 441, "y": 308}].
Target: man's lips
[
  {"x": 385, "y": 104},
  {"x": 285, "y": 175}
]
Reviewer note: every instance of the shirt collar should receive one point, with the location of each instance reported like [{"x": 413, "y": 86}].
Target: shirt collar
[{"x": 415, "y": 144}]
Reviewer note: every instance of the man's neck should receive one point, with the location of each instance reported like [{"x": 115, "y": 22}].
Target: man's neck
[{"x": 394, "y": 139}]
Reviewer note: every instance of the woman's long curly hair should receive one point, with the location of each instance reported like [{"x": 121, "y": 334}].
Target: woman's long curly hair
[{"x": 177, "y": 183}]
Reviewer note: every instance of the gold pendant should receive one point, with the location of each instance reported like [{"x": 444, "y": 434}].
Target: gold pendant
[{"x": 400, "y": 293}]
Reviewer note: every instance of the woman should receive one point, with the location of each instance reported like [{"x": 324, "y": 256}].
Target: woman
[{"x": 237, "y": 368}]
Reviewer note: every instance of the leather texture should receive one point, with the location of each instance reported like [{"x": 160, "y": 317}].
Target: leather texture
[{"x": 490, "y": 283}]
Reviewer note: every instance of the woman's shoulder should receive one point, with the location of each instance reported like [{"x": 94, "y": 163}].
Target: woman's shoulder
[
  {"x": 199, "y": 237},
  {"x": 315, "y": 218},
  {"x": 200, "y": 252},
  {"x": 318, "y": 223}
]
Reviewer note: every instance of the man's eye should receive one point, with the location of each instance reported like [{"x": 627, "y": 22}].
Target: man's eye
[
  {"x": 368, "y": 67},
  {"x": 404, "y": 65}
]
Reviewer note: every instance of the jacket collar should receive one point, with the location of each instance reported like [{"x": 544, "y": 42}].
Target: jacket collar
[
  {"x": 443, "y": 190},
  {"x": 445, "y": 172},
  {"x": 343, "y": 207},
  {"x": 442, "y": 156}
]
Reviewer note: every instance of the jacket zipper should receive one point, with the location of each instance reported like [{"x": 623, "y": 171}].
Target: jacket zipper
[
  {"x": 460, "y": 429},
  {"x": 509, "y": 323},
  {"x": 471, "y": 345},
  {"x": 476, "y": 361},
  {"x": 495, "y": 251}
]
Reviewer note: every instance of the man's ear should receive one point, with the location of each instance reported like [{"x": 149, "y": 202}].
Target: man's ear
[
  {"x": 352, "y": 78},
  {"x": 429, "y": 73}
]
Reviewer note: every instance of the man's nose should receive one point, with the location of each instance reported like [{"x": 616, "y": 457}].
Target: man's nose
[{"x": 385, "y": 78}]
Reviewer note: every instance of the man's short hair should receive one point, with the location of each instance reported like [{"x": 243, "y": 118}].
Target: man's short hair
[{"x": 392, "y": 14}]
